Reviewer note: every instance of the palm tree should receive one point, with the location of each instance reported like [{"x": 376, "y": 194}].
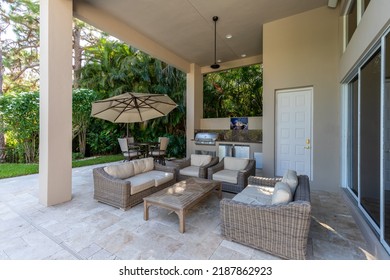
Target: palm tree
[{"x": 113, "y": 68}]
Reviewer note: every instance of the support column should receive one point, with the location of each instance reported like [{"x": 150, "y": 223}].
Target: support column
[
  {"x": 55, "y": 149},
  {"x": 194, "y": 103}
]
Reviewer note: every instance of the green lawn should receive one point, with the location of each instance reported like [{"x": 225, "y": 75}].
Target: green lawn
[{"x": 8, "y": 170}]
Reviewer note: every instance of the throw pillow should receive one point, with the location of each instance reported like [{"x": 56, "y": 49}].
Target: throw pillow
[
  {"x": 232, "y": 163},
  {"x": 282, "y": 193},
  {"x": 120, "y": 171},
  {"x": 139, "y": 166},
  {"x": 149, "y": 164},
  {"x": 291, "y": 179},
  {"x": 200, "y": 160}
]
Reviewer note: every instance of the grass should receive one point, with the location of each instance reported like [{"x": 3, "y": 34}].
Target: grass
[
  {"x": 8, "y": 170},
  {"x": 96, "y": 160}
]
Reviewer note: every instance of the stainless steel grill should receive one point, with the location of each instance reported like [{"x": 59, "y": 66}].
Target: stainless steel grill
[{"x": 206, "y": 138}]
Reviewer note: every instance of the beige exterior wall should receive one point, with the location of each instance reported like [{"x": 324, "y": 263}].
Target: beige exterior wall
[
  {"x": 375, "y": 21},
  {"x": 300, "y": 51},
  {"x": 224, "y": 123},
  {"x": 194, "y": 103}
]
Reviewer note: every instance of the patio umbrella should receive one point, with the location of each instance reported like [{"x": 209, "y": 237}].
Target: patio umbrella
[{"x": 133, "y": 107}]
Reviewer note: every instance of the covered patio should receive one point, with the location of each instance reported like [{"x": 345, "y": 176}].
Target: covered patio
[
  {"x": 305, "y": 46},
  {"x": 89, "y": 230}
]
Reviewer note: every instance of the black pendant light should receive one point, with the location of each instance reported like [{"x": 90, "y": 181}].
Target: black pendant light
[{"x": 215, "y": 65}]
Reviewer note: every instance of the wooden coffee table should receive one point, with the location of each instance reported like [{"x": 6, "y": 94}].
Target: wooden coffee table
[{"x": 182, "y": 196}]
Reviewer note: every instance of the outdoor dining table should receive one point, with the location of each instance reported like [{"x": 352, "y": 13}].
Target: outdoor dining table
[{"x": 145, "y": 147}]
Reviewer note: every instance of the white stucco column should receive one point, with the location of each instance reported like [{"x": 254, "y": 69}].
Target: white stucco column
[
  {"x": 194, "y": 102},
  {"x": 55, "y": 149}
]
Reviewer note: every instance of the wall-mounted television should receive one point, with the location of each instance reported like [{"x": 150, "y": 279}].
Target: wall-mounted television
[{"x": 240, "y": 123}]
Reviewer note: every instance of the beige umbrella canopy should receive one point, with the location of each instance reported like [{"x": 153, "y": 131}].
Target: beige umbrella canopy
[{"x": 133, "y": 107}]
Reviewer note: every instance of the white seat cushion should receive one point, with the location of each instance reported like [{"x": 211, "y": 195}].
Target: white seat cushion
[
  {"x": 255, "y": 195},
  {"x": 157, "y": 153},
  {"x": 120, "y": 171},
  {"x": 140, "y": 183},
  {"x": 191, "y": 170},
  {"x": 233, "y": 163},
  {"x": 159, "y": 177},
  {"x": 291, "y": 179},
  {"x": 258, "y": 191},
  {"x": 200, "y": 160},
  {"x": 131, "y": 154},
  {"x": 226, "y": 175},
  {"x": 282, "y": 193}
]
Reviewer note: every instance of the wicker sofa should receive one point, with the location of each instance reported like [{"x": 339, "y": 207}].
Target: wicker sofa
[
  {"x": 125, "y": 185},
  {"x": 279, "y": 229}
]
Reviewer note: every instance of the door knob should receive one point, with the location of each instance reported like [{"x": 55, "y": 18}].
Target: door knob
[{"x": 308, "y": 144}]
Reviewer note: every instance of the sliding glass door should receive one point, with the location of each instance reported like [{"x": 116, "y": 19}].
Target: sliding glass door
[
  {"x": 370, "y": 131},
  {"x": 386, "y": 144},
  {"x": 368, "y": 139},
  {"x": 353, "y": 137}
]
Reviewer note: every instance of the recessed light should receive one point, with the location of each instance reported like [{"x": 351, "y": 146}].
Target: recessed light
[
  {"x": 228, "y": 36},
  {"x": 243, "y": 55},
  {"x": 219, "y": 61}
]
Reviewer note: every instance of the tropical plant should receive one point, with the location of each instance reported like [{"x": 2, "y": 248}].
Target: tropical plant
[
  {"x": 234, "y": 92},
  {"x": 102, "y": 137},
  {"x": 18, "y": 55},
  {"x": 20, "y": 52},
  {"x": 20, "y": 113},
  {"x": 113, "y": 68}
]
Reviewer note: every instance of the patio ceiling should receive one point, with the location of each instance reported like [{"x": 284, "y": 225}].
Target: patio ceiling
[{"x": 185, "y": 27}]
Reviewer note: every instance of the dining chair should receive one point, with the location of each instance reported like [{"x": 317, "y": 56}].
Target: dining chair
[
  {"x": 129, "y": 149},
  {"x": 159, "y": 152}
]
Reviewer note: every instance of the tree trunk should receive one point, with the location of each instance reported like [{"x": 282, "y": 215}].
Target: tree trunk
[
  {"x": 83, "y": 140},
  {"x": 2, "y": 138},
  {"x": 77, "y": 55}
]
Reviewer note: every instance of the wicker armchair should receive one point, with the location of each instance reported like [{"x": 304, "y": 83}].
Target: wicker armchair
[
  {"x": 281, "y": 229},
  {"x": 195, "y": 166},
  {"x": 233, "y": 173}
]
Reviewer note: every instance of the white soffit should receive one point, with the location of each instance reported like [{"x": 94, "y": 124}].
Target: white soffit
[{"x": 186, "y": 28}]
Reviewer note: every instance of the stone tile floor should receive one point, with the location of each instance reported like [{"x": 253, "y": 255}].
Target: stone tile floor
[{"x": 86, "y": 229}]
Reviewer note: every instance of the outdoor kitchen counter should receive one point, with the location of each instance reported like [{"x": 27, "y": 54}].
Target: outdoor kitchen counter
[
  {"x": 239, "y": 142},
  {"x": 235, "y": 142},
  {"x": 254, "y": 147}
]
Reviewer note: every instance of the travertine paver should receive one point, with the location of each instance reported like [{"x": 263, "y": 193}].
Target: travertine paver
[{"x": 86, "y": 229}]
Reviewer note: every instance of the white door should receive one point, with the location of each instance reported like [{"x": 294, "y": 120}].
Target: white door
[{"x": 294, "y": 131}]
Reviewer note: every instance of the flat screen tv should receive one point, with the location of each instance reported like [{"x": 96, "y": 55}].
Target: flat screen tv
[{"x": 240, "y": 123}]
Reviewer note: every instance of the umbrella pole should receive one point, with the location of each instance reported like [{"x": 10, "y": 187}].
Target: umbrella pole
[{"x": 127, "y": 130}]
